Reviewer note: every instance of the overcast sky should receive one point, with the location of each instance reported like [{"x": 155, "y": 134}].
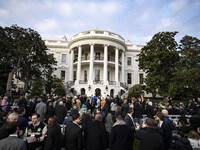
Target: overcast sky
[{"x": 134, "y": 20}]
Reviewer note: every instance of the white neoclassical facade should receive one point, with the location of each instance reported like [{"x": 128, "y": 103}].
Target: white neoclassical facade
[{"x": 96, "y": 62}]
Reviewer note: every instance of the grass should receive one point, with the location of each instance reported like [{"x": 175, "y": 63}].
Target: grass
[{"x": 136, "y": 144}]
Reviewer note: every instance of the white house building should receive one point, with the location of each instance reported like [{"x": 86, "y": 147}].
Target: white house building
[{"x": 96, "y": 62}]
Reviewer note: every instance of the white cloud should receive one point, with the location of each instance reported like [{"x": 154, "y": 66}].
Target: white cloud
[
  {"x": 179, "y": 5},
  {"x": 165, "y": 23},
  {"x": 48, "y": 25}
]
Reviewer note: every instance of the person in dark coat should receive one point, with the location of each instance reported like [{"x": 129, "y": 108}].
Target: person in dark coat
[
  {"x": 53, "y": 140},
  {"x": 121, "y": 136},
  {"x": 149, "y": 138},
  {"x": 138, "y": 111},
  {"x": 50, "y": 110},
  {"x": 150, "y": 110},
  {"x": 124, "y": 108},
  {"x": 165, "y": 129},
  {"x": 22, "y": 121},
  {"x": 181, "y": 143},
  {"x": 129, "y": 119},
  {"x": 60, "y": 112},
  {"x": 130, "y": 122},
  {"x": 86, "y": 118},
  {"x": 73, "y": 134},
  {"x": 195, "y": 121},
  {"x": 95, "y": 135}
]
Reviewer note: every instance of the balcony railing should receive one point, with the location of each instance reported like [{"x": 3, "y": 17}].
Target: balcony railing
[
  {"x": 111, "y": 59},
  {"x": 112, "y": 82},
  {"x": 98, "y": 82},
  {"x": 85, "y": 58},
  {"x": 98, "y": 58},
  {"x": 75, "y": 60},
  {"x": 83, "y": 82}
]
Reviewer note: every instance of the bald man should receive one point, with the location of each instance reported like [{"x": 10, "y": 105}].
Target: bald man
[
  {"x": 60, "y": 112},
  {"x": 96, "y": 134}
]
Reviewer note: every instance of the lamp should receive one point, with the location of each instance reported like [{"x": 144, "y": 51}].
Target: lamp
[
  {"x": 106, "y": 88},
  {"x": 89, "y": 87}
]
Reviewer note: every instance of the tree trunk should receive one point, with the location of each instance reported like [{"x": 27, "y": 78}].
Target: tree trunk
[
  {"x": 26, "y": 85},
  {"x": 10, "y": 77}
]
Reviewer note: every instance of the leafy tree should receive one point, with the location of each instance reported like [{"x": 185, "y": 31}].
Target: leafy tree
[
  {"x": 4, "y": 61},
  {"x": 26, "y": 55},
  {"x": 37, "y": 87},
  {"x": 58, "y": 87},
  {"x": 49, "y": 82},
  {"x": 159, "y": 59},
  {"x": 186, "y": 83},
  {"x": 136, "y": 91}
]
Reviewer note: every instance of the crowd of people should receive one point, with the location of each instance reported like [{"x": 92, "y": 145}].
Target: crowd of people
[{"x": 96, "y": 123}]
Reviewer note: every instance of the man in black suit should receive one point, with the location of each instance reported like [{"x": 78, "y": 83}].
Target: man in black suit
[
  {"x": 149, "y": 137},
  {"x": 130, "y": 122},
  {"x": 121, "y": 136},
  {"x": 96, "y": 134},
  {"x": 53, "y": 140},
  {"x": 60, "y": 112},
  {"x": 12, "y": 142},
  {"x": 73, "y": 134},
  {"x": 165, "y": 129},
  {"x": 124, "y": 108}
]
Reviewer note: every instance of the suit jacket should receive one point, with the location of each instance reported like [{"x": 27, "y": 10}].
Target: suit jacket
[
  {"x": 3, "y": 132},
  {"x": 73, "y": 137},
  {"x": 53, "y": 140},
  {"x": 95, "y": 136},
  {"x": 166, "y": 134},
  {"x": 149, "y": 139},
  {"x": 150, "y": 112},
  {"x": 121, "y": 137},
  {"x": 124, "y": 109},
  {"x": 12, "y": 143},
  {"x": 129, "y": 122},
  {"x": 41, "y": 109},
  {"x": 60, "y": 112}
]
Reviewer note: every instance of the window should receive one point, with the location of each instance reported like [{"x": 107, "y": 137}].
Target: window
[
  {"x": 63, "y": 59},
  {"x": 129, "y": 61},
  {"x": 108, "y": 57},
  {"x": 74, "y": 75},
  {"x": 86, "y": 56},
  {"x": 62, "y": 75},
  {"x": 141, "y": 79},
  {"x": 75, "y": 58},
  {"x": 97, "y": 75},
  {"x": 85, "y": 76},
  {"x": 97, "y": 57},
  {"x": 129, "y": 79}
]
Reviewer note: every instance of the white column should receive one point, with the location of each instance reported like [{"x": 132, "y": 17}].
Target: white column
[
  {"x": 105, "y": 74},
  {"x": 123, "y": 71},
  {"x": 71, "y": 65},
  {"x": 116, "y": 64},
  {"x": 79, "y": 64},
  {"x": 90, "y": 81}
]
